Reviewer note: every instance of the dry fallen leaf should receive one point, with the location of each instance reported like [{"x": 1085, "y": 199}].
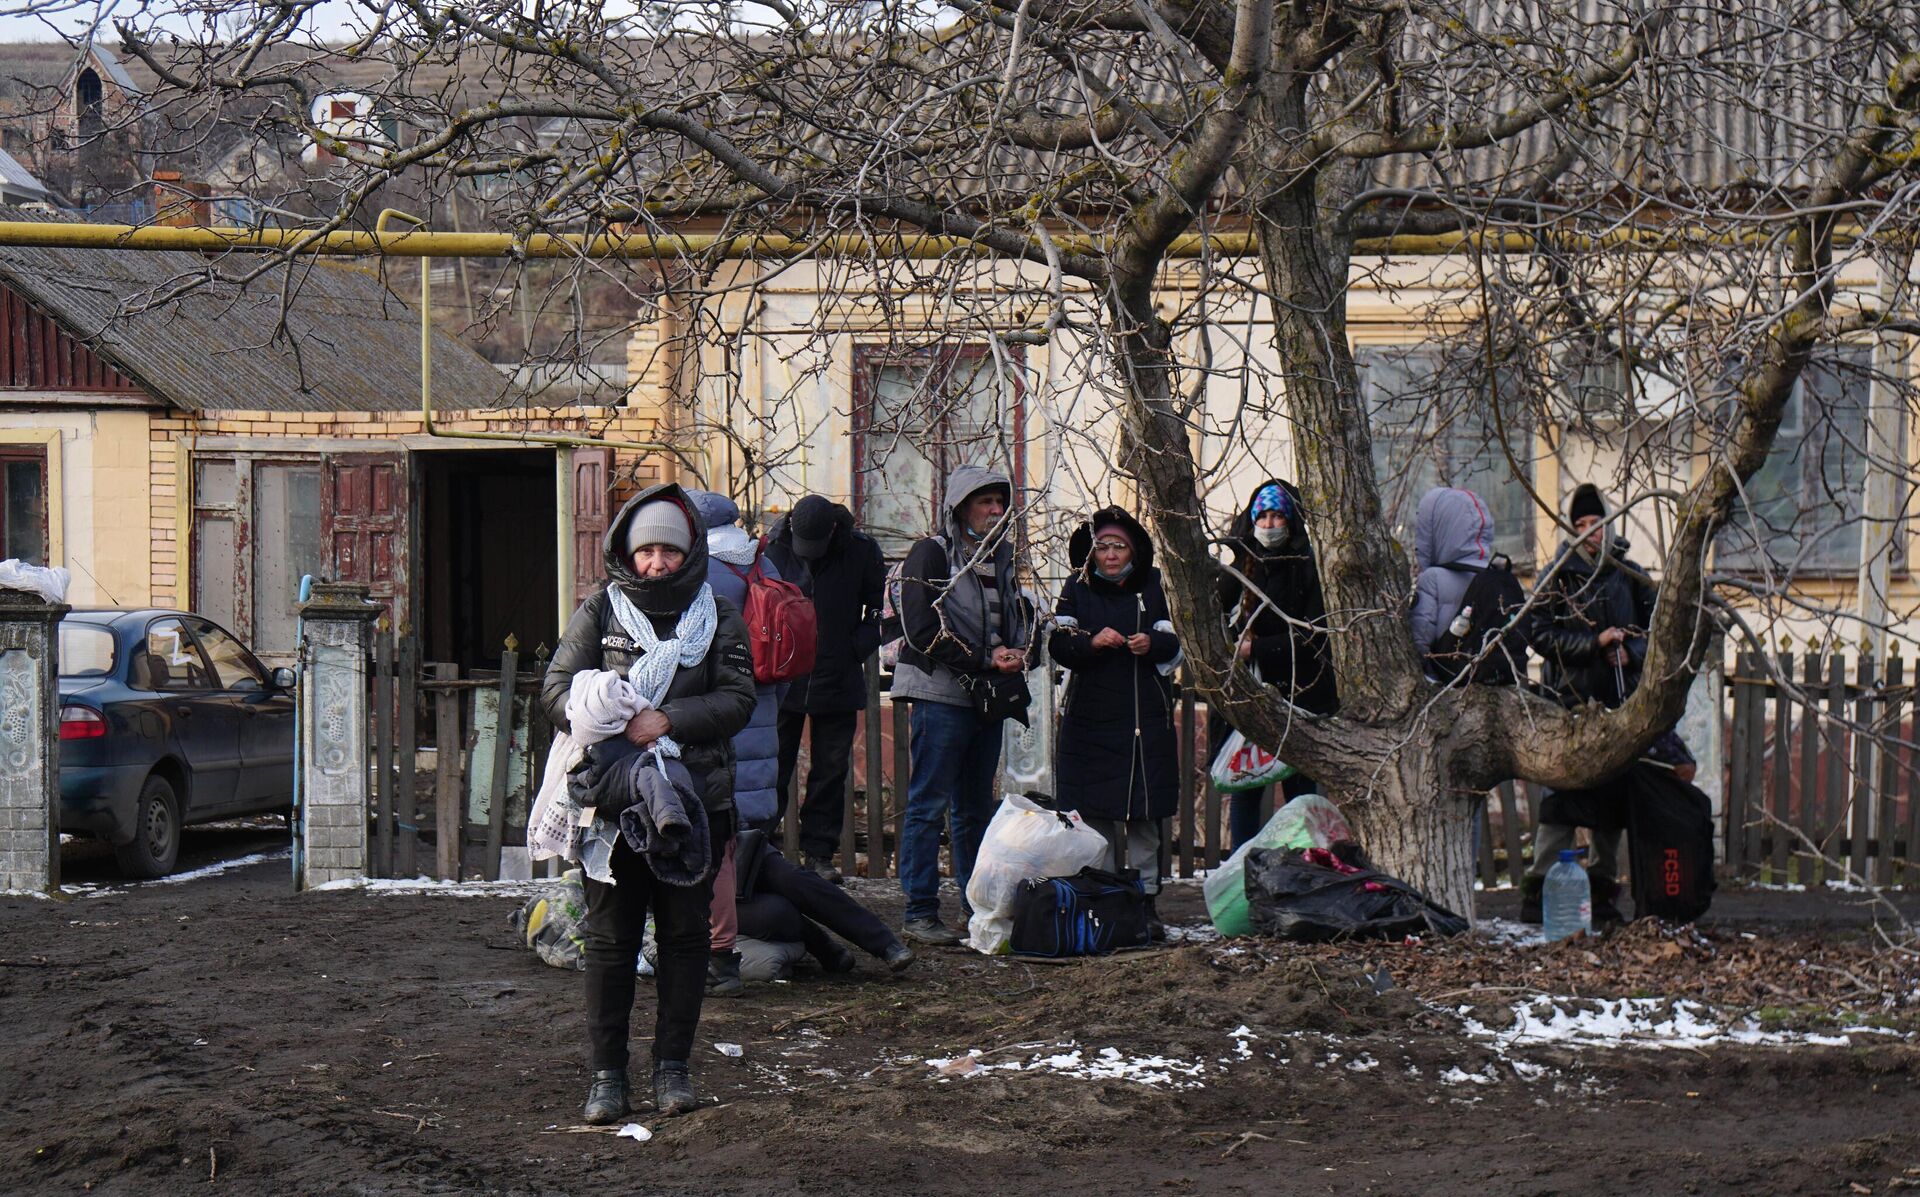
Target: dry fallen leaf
[{"x": 1857, "y": 1187}]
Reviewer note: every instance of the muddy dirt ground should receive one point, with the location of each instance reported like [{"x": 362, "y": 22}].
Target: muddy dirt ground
[{"x": 223, "y": 1034}]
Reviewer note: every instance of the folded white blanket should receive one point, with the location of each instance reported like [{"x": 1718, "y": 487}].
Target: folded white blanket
[{"x": 600, "y": 704}]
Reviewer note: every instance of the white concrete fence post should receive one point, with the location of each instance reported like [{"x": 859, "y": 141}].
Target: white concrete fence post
[
  {"x": 29, "y": 742},
  {"x": 334, "y": 781}
]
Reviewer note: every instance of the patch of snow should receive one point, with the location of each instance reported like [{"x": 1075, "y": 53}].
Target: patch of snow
[
  {"x": 215, "y": 869},
  {"x": 1107, "y": 1064},
  {"x": 1242, "y": 1037},
  {"x": 1527, "y": 1070},
  {"x": 1197, "y": 933},
  {"x": 1638, "y": 1022},
  {"x": 1458, "y": 1076},
  {"x": 416, "y": 886},
  {"x": 1364, "y": 1063},
  {"x": 1510, "y": 931}
]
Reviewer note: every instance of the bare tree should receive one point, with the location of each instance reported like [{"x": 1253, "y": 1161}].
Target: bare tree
[{"x": 1641, "y": 223}]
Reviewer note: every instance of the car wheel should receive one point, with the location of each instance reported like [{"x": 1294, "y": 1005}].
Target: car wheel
[{"x": 156, "y": 837}]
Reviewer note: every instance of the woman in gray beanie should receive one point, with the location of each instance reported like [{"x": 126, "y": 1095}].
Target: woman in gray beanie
[{"x": 657, "y": 624}]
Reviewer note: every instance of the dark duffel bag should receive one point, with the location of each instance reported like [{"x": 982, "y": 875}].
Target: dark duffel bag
[
  {"x": 1669, "y": 846},
  {"x": 1314, "y": 896},
  {"x": 1669, "y": 826},
  {"x": 1092, "y": 913}
]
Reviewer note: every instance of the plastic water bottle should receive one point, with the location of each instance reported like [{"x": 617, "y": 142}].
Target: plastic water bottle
[
  {"x": 1462, "y": 623},
  {"x": 1566, "y": 899}
]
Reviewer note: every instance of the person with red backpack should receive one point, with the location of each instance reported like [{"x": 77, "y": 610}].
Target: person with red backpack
[
  {"x": 840, "y": 568},
  {"x": 732, "y": 556}
]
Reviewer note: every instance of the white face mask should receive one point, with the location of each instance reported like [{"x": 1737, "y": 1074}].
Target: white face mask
[{"x": 1271, "y": 538}]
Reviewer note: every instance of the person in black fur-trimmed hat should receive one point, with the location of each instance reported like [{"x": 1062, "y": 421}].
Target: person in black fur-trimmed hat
[{"x": 1118, "y": 761}]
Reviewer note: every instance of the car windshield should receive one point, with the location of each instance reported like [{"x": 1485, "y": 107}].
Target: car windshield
[{"x": 86, "y": 650}]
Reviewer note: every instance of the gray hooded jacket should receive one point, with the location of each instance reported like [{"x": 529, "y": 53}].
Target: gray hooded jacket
[
  {"x": 943, "y": 611},
  {"x": 1453, "y": 527}
]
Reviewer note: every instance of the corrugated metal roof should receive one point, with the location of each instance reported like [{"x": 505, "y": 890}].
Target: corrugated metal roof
[
  {"x": 18, "y": 177},
  {"x": 346, "y": 342}
]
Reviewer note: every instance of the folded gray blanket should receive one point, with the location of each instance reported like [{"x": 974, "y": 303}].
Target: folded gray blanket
[{"x": 666, "y": 822}]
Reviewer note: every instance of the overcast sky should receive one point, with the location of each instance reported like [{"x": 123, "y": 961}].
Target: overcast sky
[{"x": 329, "y": 19}]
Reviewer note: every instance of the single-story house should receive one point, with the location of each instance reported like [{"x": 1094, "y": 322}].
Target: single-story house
[{"x": 206, "y": 446}]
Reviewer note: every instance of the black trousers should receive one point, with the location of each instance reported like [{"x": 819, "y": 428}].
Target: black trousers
[
  {"x": 830, "y": 761},
  {"x": 615, "y": 926},
  {"x": 792, "y": 905}
]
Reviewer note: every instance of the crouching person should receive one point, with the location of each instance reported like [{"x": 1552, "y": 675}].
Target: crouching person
[
  {"x": 781, "y": 902},
  {"x": 657, "y": 625}
]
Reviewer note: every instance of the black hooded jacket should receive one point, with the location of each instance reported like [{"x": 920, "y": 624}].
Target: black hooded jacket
[
  {"x": 708, "y": 704},
  {"x": 848, "y": 588},
  {"x": 1579, "y": 601},
  {"x": 1295, "y": 660},
  {"x": 1117, "y": 755}
]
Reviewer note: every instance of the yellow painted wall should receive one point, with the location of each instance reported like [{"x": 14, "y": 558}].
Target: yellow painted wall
[{"x": 97, "y": 501}]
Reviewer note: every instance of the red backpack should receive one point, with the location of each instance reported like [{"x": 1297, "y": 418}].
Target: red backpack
[{"x": 781, "y": 625}]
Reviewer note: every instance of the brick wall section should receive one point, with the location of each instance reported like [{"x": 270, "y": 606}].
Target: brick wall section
[{"x": 642, "y": 420}]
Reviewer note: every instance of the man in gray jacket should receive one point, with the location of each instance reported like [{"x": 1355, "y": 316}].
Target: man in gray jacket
[{"x": 963, "y": 621}]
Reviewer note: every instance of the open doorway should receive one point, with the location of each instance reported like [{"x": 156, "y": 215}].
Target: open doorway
[{"x": 488, "y": 564}]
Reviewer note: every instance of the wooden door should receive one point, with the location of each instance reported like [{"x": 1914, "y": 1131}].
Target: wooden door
[
  {"x": 592, "y": 495},
  {"x": 364, "y": 522}
]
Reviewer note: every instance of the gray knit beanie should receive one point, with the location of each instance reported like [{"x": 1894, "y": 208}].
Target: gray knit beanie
[{"x": 659, "y": 522}]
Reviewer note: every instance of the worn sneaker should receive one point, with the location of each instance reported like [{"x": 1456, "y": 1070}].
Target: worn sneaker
[
  {"x": 897, "y": 956},
  {"x": 673, "y": 1088},
  {"x": 933, "y": 931},
  {"x": 607, "y": 1097},
  {"x": 723, "y": 975}
]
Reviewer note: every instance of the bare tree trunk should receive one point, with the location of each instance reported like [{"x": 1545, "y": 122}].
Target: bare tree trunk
[{"x": 1415, "y": 827}]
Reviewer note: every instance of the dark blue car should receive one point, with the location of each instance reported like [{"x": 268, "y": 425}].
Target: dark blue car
[{"x": 166, "y": 720}]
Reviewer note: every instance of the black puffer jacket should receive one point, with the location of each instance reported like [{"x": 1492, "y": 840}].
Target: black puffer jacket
[
  {"x": 1294, "y": 660},
  {"x": 707, "y": 704},
  {"x": 1117, "y": 756},
  {"x": 1579, "y": 601},
  {"x": 848, "y": 588}
]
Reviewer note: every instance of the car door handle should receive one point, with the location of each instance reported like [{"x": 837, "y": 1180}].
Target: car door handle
[
  {"x": 250, "y": 712},
  {"x": 184, "y": 711}
]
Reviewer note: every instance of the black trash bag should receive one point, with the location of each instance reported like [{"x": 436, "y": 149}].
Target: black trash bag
[
  {"x": 1091, "y": 913},
  {"x": 1669, "y": 826},
  {"x": 1313, "y": 895}
]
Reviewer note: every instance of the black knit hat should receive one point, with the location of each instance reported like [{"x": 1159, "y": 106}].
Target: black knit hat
[{"x": 1586, "y": 501}]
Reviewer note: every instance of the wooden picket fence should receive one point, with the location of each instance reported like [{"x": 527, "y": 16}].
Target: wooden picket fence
[
  {"x": 460, "y": 817},
  {"x": 874, "y": 814},
  {"x": 1823, "y": 777}
]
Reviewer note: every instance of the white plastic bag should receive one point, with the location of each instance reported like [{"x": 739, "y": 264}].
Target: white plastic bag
[
  {"x": 1308, "y": 821},
  {"x": 1024, "y": 842},
  {"x": 50, "y": 584},
  {"x": 1243, "y": 765}
]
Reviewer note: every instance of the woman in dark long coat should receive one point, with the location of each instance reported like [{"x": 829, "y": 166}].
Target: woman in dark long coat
[{"x": 1118, "y": 763}]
